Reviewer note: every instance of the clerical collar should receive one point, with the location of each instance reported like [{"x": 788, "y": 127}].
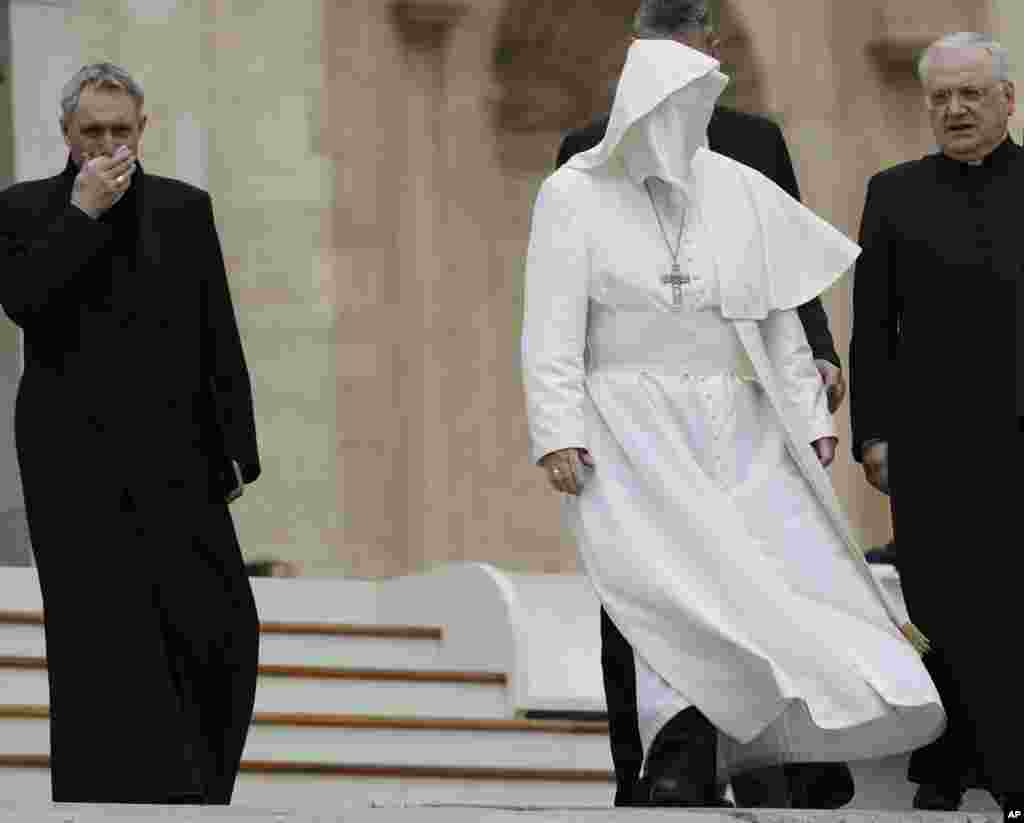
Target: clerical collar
[{"x": 995, "y": 159}]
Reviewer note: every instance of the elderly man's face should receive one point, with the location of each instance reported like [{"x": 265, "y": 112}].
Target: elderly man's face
[
  {"x": 969, "y": 108},
  {"x": 106, "y": 118}
]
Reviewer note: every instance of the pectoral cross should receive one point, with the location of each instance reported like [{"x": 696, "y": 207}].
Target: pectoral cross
[{"x": 676, "y": 280}]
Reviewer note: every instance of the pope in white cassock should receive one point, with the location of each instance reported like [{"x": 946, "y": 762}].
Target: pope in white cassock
[{"x": 670, "y": 389}]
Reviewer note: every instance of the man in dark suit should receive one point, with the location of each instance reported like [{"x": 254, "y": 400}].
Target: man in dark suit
[
  {"x": 756, "y": 142},
  {"x": 937, "y": 304},
  {"x": 134, "y": 427}
]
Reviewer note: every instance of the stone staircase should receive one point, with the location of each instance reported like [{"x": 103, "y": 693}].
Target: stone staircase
[
  {"x": 416, "y": 691},
  {"x": 356, "y": 712}
]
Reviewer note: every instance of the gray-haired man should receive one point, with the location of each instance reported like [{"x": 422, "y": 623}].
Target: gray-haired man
[
  {"x": 938, "y": 302},
  {"x": 134, "y": 427}
]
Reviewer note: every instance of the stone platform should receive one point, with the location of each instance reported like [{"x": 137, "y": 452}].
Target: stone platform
[{"x": 76, "y": 813}]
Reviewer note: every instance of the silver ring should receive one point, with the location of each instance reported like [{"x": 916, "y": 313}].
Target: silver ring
[{"x": 120, "y": 179}]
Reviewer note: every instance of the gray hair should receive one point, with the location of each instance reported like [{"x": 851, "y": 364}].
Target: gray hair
[
  {"x": 665, "y": 18},
  {"x": 104, "y": 75},
  {"x": 968, "y": 39}
]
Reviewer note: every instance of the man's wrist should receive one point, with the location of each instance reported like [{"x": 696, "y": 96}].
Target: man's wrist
[{"x": 93, "y": 213}]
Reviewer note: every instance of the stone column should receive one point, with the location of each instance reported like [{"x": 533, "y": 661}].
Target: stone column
[
  {"x": 430, "y": 319},
  {"x": 42, "y": 55},
  {"x": 374, "y": 285},
  {"x": 1008, "y": 28}
]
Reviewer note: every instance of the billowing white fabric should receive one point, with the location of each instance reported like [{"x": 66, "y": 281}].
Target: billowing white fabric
[{"x": 712, "y": 552}]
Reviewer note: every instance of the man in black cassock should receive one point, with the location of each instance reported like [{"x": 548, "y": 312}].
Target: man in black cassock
[
  {"x": 134, "y": 427},
  {"x": 758, "y": 143},
  {"x": 935, "y": 403}
]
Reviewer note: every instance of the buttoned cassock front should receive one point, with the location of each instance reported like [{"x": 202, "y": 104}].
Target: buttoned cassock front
[{"x": 134, "y": 398}]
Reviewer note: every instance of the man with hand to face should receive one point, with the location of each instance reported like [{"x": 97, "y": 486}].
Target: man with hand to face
[
  {"x": 134, "y": 427},
  {"x": 935, "y": 362}
]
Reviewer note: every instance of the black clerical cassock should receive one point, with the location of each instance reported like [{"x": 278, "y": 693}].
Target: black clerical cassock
[
  {"x": 134, "y": 398},
  {"x": 935, "y": 370}
]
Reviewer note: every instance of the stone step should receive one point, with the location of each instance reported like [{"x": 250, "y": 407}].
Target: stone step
[
  {"x": 289, "y": 643},
  {"x": 323, "y": 690},
  {"x": 340, "y": 812},
  {"x": 381, "y": 740}
]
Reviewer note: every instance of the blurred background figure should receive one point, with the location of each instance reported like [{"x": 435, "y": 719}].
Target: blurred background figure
[
  {"x": 882, "y": 554},
  {"x": 273, "y": 568}
]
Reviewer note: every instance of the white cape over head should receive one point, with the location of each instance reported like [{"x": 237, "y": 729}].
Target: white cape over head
[{"x": 711, "y": 535}]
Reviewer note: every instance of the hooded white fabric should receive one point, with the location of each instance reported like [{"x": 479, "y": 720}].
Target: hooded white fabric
[
  {"x": 708, "y": 529},
  {"x": 663, "y": 105},
  {"x": 771, "y": 252}
]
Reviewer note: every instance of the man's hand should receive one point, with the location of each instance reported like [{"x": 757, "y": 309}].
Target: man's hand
[
  {"x": 825, "y": 447},
  {"x": 876, "y": 465},
  {"x": 102, "y": 180},
  {"x": 563, "y": 469},
  {"x": 835, "y": 383}
]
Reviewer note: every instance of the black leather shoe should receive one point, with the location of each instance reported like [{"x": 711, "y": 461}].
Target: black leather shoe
[
  {"x": 820, "y": 785},
  {"x": 933, "y": 798},
  {"x": 762, "y": 788},
  {"x": 682, "y": 763}
]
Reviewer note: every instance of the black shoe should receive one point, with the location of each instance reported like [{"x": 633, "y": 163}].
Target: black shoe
[
  {"x": 933, "y": 798},
  {"x": 820, "y": 785},
  {"x": 682, "y": 763},
  {"x": 762, "y": 788}
]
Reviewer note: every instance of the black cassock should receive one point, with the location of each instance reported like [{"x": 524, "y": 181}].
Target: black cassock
[
  {"x": 935, "y": 370},
  {"x": 134, "y": 399}
]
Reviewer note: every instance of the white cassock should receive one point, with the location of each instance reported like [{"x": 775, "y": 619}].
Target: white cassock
[{"x": 708, "y": 529}]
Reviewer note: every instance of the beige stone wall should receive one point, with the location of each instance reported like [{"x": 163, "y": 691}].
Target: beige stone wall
[
  {"x": 427, "y": 241},
  {"x": 1008, "y": 17},
  {"x": 234, "y": 91}
]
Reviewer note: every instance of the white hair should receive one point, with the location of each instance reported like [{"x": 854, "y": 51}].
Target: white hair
[
  {"x": 968, "y": 39},
  {"x": 103, "y": 75}
]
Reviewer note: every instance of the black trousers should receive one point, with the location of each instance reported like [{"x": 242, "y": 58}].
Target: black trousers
[
  {"x": 619, "y": 669},
  {"x": 953, "y": 760}
]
